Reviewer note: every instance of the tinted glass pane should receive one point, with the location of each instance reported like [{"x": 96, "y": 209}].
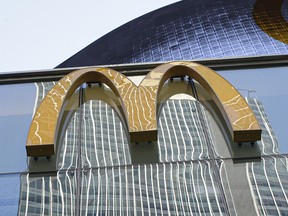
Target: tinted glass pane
[
  {"x": 104, "y": 140},
  {"x": 48, "y": 195},
  {"x": 183, "y": 131},
  {"x": 9, "y": 194},
  {"x": 269, "y": 185},
  {"x": 18, "y": 102},
  {"x": 258, "y": 187},
  {"x": 68, "y": 142}
]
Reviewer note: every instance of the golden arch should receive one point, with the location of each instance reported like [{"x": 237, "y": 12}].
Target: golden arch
[{"x": 140, "y": 103}]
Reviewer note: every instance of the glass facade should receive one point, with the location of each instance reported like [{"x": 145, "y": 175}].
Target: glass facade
[
  {"x": 192, "y": 169},
  {"x": 96, "y": 169}
]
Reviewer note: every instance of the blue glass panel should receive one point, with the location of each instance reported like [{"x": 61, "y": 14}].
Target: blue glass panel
[
  {"x": 9, "y": 194},
  {"x": 15, "y": 119}
]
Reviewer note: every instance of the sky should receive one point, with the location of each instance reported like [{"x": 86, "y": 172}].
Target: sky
[{"x": 39, "y": 35}]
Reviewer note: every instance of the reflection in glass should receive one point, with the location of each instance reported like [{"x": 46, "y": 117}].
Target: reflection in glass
[
  {"x": 68, "y": 149},
  {"x": 269, "y": 185},
  {"x": 167, "y": 189},
  {"x": 183, "y": 131},
  {"x": 270, "y": 87},
  {"x": 269, "y": 142},
  {"x": 48, "y": 195},
  {"x": 183, "y": 135},
  {"x": 193, "y": 176},
  {"x": 42, "y": 89},
  {"x": 104, "y": 141}
]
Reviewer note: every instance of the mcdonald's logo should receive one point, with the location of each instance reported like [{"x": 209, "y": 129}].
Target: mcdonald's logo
[{"x": 139, "y": 104}]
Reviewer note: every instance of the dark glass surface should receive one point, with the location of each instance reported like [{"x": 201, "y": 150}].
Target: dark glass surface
[{"x": 187, "y": 30}]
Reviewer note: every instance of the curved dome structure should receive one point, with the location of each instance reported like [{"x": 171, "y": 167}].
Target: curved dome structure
[{"x": 188, "y": 30}]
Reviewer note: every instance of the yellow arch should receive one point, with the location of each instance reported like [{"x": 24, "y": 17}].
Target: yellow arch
[
  {"x": 140, "y": 103},
  {"x": 44, "y": 126},
  {"x": 239, "y": 117}
]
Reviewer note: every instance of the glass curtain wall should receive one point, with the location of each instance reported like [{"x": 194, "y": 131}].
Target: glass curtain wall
[{"x": 193, "y": 169}]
